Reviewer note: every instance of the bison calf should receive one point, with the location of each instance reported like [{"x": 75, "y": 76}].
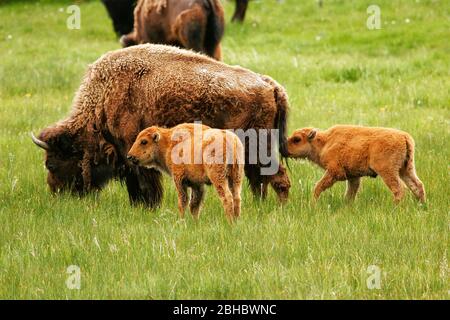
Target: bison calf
[
  {"x": 194, "y": 155},
  {"x": 351, "y": 152}
]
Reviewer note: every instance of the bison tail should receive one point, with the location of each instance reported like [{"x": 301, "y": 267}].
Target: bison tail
[
  {"x": 409, "y": 159},
  {"x": 281, "y": 119},
  {"x": 215, "y": 27},
  {"x": 281, "y": 100}
]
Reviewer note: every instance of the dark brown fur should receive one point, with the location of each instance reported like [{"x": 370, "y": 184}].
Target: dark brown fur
[
  {"x": 121, "y": 14},
  {"x": 191, "y": 24},
  {"x": 131, "y": 89},
  {"x": 240, "y": 10}
]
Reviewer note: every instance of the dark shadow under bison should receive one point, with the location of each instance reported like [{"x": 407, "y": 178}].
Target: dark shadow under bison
[{"x": 130, "y": 89}]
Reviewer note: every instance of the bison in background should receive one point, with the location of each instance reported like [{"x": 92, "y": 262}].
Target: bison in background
[
  {"x": 240, "y": 10},
  {"x": 121, "y": 13},
  {"x": 192, "y": 24},
  {"x": 128, "y": 90}
]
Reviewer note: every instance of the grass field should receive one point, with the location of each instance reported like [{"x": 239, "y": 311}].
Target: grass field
[{"x": 335, "y": 71}]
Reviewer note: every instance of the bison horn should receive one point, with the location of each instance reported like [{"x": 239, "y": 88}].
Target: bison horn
[{"x": 40, "y": 143}]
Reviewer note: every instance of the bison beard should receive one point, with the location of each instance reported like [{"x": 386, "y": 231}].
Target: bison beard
[{"x": 128, "y": 90}]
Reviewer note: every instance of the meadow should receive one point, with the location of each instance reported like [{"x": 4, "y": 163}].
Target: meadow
[{"x": 335, "y": 70}]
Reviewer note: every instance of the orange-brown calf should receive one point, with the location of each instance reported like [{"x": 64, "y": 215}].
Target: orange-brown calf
[
  {"x": 194, "y": 155},
  {"x": 351, "y": 152}
]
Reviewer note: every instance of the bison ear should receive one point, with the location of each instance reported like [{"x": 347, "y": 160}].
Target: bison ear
[
  {"x": 312, "y": 135},
  {"x": 156, "y": 136}
]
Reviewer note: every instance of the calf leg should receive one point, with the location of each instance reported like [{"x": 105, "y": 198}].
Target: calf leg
[
  {"x": 182, "y": 196},
  {"x": 326, "y": 182},
  {"x": 235, "y": 184},
  {"x": 196, "y": 200},
  {"x": 413, "y": 182},
  {"x": 392, "y": 180},
  {"x": 220, "y": 183},
  {"x": 352, "y": 188}
]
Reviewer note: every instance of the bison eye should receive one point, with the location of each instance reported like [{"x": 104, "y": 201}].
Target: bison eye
[
  {"x": 297, "y": 139},
  {"x": 144, "y": 142}
]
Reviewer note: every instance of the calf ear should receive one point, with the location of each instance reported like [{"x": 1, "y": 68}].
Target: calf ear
[
  {"x": 156, "y": 136},
  {"x": 312, "y": 134}
]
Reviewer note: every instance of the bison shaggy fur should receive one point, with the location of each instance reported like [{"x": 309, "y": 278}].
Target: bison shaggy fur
[{"x": 128, "y": 90}]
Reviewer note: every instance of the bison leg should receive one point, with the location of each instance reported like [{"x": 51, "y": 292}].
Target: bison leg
[
  {"x": 413, "y": 182},
  {"x": 392, "y": 180},
  {"x": 182, "y": 195},
  {"x": 144, "y": 186},
  {"x": 258, "y": 185},
  {"x": 196, "y": 200},
  {"x": 240, "y": 10},
  {"x": 190, "y": 28},
  {"x": 352, "y": 188},
  {"x": 121, "y": 13},
  {"x": 220, "y": 183},
  {"x": 235, "y": 184},
  {"x": 326, "y": 182},
  {"x": 279, "y": 182}
]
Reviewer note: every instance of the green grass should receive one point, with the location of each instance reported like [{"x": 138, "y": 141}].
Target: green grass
[{"x": 335, "y": 71}]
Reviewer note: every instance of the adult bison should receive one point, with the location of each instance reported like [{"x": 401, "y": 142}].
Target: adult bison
[
  {"x": 130, "y": 89},
  {"x": 192, "y": 24},
  {"x": 121, "y": 13}
]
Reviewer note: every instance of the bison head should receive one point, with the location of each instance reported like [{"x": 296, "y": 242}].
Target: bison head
[
  {"x": 299, "y": 144},
  {"x": 63, "y": 159}
]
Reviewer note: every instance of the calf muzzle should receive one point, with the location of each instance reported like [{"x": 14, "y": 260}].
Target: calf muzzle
[{"x": 133, "y": 159}]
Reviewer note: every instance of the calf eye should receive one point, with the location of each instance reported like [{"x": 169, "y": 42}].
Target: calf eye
[
  {"x": 144, "y": 142},
  {"x": 297, "y": 139}
]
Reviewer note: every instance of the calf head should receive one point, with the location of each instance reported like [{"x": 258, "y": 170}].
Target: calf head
[
  {"x": 146, "y": 149},
  {"x": 299, "y": 143},
  {"x": 62, "y": 159}
]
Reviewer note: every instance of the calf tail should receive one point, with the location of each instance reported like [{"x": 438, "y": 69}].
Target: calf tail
[{"x": 409, "y": 158}]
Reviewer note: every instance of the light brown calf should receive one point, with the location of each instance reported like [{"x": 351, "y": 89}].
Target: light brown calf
[
  {"x": 351, "y": 152},
  {"x": 194, "y": 155}
]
